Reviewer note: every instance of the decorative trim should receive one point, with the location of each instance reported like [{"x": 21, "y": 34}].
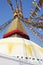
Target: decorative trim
[{"x": 16, "y": 32}]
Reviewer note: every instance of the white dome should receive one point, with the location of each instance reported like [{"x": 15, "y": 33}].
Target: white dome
[
  {"x": 12, "y": 48},
  {"x": 20, "y": 47}
]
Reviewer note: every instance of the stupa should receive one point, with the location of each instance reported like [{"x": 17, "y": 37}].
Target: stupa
[{"x": 16, "y": 47}]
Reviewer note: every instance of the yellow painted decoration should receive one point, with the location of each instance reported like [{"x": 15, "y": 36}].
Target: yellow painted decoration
[
  {"x": 40, "y": 49},
  {"x": 10, "y": 47},
  {"x": 29, "y": 50}
]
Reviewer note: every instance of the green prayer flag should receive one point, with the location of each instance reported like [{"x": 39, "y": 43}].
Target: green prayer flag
[
  {"x": 8, "y": 1},
  {"x": 34, "y": 3}
]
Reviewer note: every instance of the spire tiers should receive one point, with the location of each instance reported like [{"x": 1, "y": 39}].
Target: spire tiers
[{"x": 16, "y": 29}]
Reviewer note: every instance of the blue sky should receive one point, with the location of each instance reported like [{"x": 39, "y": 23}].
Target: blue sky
[{"x": 7, "y": 14}]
